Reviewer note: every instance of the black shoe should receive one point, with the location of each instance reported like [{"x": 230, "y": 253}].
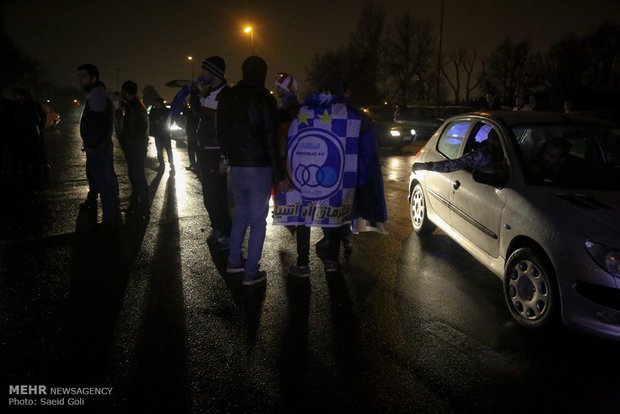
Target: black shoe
[
  {"x": 322, "y": 243},
  {"x": 331, "y": 266},
  {"x": 249, "y": 280},
  {"x": 346, "y": 244},
  {"x": 89, "y": 204},
  {"x": 300, "y": 271}
]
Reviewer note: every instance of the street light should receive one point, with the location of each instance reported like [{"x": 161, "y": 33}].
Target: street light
[
  {"x": 251, "y": 32},
  {"x": 191, "y": 64}
]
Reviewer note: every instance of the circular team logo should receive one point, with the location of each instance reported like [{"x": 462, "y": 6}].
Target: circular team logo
[{"x": 317, "y": 162}]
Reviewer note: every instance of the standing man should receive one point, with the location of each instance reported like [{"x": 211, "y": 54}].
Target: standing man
[
  {"x": 247, "y": 128},
  {"x": 96, "y": 128},
  {"x": 205, "y": 99},
  {"x": 335, "y": 171},
  {"x": 191, "y": 125},
  {"x": 134, "y": 140},
  {"x": 159, "y": 123}
]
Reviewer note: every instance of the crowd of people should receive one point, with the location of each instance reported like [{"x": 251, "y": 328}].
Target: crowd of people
[
  {"x": 522, "y": 102},
  {"x": 318, "y": 160}
]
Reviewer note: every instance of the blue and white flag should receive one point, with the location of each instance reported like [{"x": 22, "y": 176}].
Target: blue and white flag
[{"x": 322, "y": 155}]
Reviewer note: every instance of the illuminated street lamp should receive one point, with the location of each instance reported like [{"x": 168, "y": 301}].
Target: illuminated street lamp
[
  {"x": 191, "y": 64},
  {"x": 251, "y": 32}
]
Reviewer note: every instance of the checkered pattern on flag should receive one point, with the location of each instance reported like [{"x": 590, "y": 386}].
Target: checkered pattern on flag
[{"x": 322, "y": 156}]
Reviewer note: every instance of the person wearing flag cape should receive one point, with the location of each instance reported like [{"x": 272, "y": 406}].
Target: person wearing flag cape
[{"x": 335, "y": 173}]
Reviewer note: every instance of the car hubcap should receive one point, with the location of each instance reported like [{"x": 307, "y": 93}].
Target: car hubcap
[
  {"x": 417, "y": 209},
  {"x": 528, "y": 289}
]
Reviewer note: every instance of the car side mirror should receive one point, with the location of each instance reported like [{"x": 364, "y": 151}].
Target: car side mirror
[{"x": 488, "y": 178}]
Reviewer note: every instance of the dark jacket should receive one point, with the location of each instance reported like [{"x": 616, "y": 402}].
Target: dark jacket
[
  {"x": 135, "y": 126},
  {"x": 206, "y": 132},
  {"x": 247, "y": 127},
  {"x": 158, "y": 122},
  {"x": 97, "y": 122}
]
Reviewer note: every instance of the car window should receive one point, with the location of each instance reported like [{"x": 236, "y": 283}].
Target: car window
[
  {"x": 476, "y": 139},
  {"x": 451, "y": 139},
  {"x": 572, "y": 155}
]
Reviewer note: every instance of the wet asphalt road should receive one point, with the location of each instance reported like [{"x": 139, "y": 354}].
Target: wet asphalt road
[{"x": 410, "y": 325}]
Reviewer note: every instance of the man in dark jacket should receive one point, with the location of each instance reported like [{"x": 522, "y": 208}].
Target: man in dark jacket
[
  {"x": 191, "y": 125},
  {"x": 205, "y": 99},
  {"x": 159, "y": 128},
  {"x": 133, "y": 138},
  {"x": 247, "y": 129},
  {"x": 96, "y": 128}
]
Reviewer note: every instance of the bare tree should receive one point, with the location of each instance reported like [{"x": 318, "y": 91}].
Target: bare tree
[
  {"x": 331, "y": 61},
  {"x": 603, "y": 46},
  {"x": 455, "y": 59},
  {"x": 473, "y": 79},
  {"x": 409, "y": 60},
  {"x": 365, "y": 55},
  {"x": 358, "y": 62},
  {"x": 509, "y": 66}
]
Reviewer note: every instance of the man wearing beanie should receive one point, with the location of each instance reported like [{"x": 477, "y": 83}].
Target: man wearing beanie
[
  {"x": 204, "y": 100},
  {"x": 247, "y": 128},
  {"x": 134, "y": 139}
]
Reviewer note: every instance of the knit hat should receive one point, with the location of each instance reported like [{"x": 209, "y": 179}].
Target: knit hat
[
  {"x": 286, "y": 82},
  {"x": 215, "y": 65}
]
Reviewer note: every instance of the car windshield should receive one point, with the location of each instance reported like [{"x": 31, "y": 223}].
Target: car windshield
[{"x": 570, "y": 156}]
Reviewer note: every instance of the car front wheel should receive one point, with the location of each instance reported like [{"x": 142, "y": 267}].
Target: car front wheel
[
  {"x": 530, "y": 289},
  {"x": 417, "y": 208}
]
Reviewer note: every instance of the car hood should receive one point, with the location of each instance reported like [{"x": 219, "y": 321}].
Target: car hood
[{"x": 595, "y": 213}]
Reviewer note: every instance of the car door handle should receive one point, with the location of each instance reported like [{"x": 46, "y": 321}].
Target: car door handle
[{"x": 456, "y": 184}]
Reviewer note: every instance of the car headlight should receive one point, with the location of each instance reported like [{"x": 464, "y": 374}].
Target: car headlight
[
  {"x": 606, "y": 257},
  {"x": 175, "y": 127},
  {"x": 394, "y": 133},
  {"x": 413, "y": 132}
]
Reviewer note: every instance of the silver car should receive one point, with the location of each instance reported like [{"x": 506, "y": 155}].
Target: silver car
[{"x": 544, "y": 215}]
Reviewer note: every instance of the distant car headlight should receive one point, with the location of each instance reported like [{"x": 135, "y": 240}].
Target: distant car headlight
[
  {"x": 175, "y": 127},
  {"x": 606, "y": 257},
  {"x": 394, "y": 133},
  {"x": 413, "y": 132}
]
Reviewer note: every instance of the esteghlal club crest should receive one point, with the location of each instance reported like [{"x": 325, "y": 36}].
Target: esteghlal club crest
[{"x": 317, "y": 163}]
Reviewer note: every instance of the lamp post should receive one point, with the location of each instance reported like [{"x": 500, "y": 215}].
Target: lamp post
[
  {"x": 191, "y": 65},
  {"x": 251, "y": 32}
]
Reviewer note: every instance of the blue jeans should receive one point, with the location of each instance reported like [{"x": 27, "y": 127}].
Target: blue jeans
[
  {"x": 251, "y": 189},
  {"x": 100, "y": 169}
]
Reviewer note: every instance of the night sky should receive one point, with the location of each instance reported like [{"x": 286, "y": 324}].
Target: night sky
[{"x": 149, "y": 41}]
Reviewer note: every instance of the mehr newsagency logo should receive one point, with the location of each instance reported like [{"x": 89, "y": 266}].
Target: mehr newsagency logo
[{"x": 42, "y": 395}]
